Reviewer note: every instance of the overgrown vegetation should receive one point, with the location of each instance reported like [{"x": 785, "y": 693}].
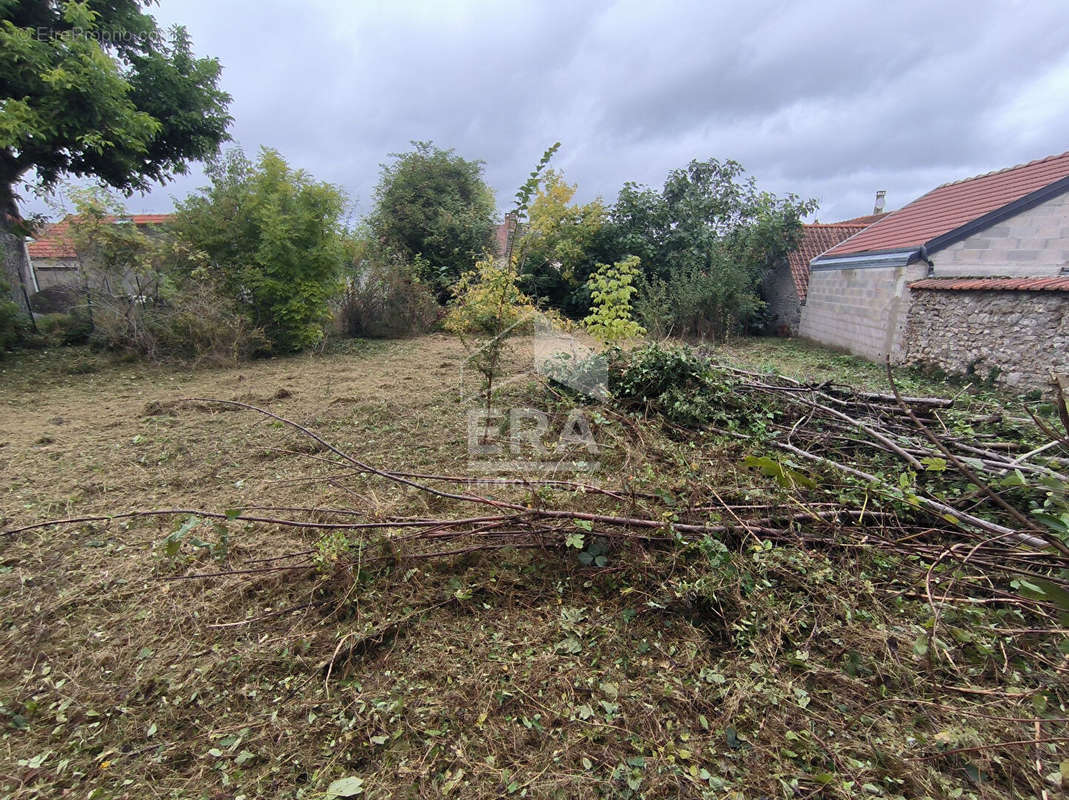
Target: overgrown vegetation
[
  {"x": 272, "y": 241},
  {"x": 11, "y": 322},
  {"x": 559, "y": 245},
  {"x": 705, "y": 242},
  {"x": 677, "y": 384},
  {"x": 775, "y": 586},
  {"x": 386, "y": 299},
  {"x": 434, "y": 211},
  {"x": 76, "y": 99}
]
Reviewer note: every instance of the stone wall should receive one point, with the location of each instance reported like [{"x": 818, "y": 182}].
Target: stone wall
[
  {"x": 15, "y": 269},
  {"x": 1016, "y": 337},
  {"x": 862, "y": 311},
  {"x": 1032, "y": 243},
  {"x": 781, "y": 295}
]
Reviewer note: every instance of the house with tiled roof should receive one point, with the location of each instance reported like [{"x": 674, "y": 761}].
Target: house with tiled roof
[
  {"x": 972, "y": 277},
  {"x": 53, "y": 259},
  {"x": 784, "y": 288}
]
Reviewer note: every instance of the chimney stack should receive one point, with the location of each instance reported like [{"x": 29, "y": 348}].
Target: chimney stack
[{"x": 881, "y": 201}]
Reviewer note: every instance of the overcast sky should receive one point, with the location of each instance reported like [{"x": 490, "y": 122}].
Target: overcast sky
[{"x": 827, "y": 99}]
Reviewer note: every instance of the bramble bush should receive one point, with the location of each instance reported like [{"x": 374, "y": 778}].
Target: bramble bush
[{"x": 673, "y": 381}]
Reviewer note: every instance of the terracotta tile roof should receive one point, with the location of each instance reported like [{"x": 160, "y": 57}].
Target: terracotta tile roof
[
  {"x": 816, "y": 238},
  {"x": 952, "y": 205},
  {"x": 866, "y": 220},
  {"x": 150, "y": 219},
  {"x": 1055, "y": 284},
  {"x": 54, "y": 241}
]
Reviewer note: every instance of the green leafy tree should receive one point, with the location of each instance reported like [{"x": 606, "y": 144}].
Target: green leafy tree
[
  {"x": 705, "y": 241},
  {"x": 115, "y": 256},
  {"x": 432, "y": 204},
  {"x": 640, "y": 224},
  {"x": 557, "y": 252},
  {"x": 273, "y": 240},
  {"x": 611, "y": 288},
  {"x": 95, "y": 89},
  {"x": 488, "y": 309}
]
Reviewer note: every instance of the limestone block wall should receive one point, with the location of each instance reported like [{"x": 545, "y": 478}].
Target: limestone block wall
[
  {"x": 1034, "y": 242},
  {"x": 1017, "y": 337},
  {"x": 862, "y": 311}
]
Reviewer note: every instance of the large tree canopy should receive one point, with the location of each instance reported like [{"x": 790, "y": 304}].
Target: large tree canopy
[
  {"x": 93, "y": 88},
  {"x": 557, "y": 252},
  {"x": 273, "y": 241},
  {"x": 433, "y": 208},
  {"x": 705, "y": 242}
]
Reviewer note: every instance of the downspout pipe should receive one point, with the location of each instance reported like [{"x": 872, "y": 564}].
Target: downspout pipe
[{"x": 922, "y": 255}]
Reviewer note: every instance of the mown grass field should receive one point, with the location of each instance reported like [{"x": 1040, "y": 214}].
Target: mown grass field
[{"x": 758, "y": 670}]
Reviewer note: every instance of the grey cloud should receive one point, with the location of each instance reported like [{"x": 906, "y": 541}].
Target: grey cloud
[{"x": 828, "y": 98}]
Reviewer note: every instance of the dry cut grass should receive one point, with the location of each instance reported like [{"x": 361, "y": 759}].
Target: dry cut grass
[{"x": 748, "y": 671}]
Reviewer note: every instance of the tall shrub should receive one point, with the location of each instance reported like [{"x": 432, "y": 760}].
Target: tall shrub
[
  {"x": 488, "y": 309},
  {"x": 273, "y": 241},
  {"x": 705, "y": 240},
  {"x": 432, "y": 204}
]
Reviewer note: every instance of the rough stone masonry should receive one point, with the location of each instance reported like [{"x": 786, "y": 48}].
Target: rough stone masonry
[{"x": 1014, "y": 338}]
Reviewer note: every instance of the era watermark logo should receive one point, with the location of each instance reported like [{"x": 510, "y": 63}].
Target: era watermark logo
[
  {"x": 525, "y": 440},
  {"x": 103, "y": 37},
  {"x": 529, "y": 440}
]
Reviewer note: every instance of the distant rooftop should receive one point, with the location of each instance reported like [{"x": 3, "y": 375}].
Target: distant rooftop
[
  {"x": 54, "y": 241},
  {"x": 816, "y": 238}
]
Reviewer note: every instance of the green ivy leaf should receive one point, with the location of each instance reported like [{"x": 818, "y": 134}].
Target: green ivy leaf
[{"x": 346, "y": 787}]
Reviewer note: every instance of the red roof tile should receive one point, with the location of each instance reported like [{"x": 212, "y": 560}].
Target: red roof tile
[
  {"x": 952, "y": 205},
  {"x": 1056, "y": 284},
  {"x": 816, "y": 238},
  {"x": 868, "y": 219},
  {"x": 54, "y": 241}
]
